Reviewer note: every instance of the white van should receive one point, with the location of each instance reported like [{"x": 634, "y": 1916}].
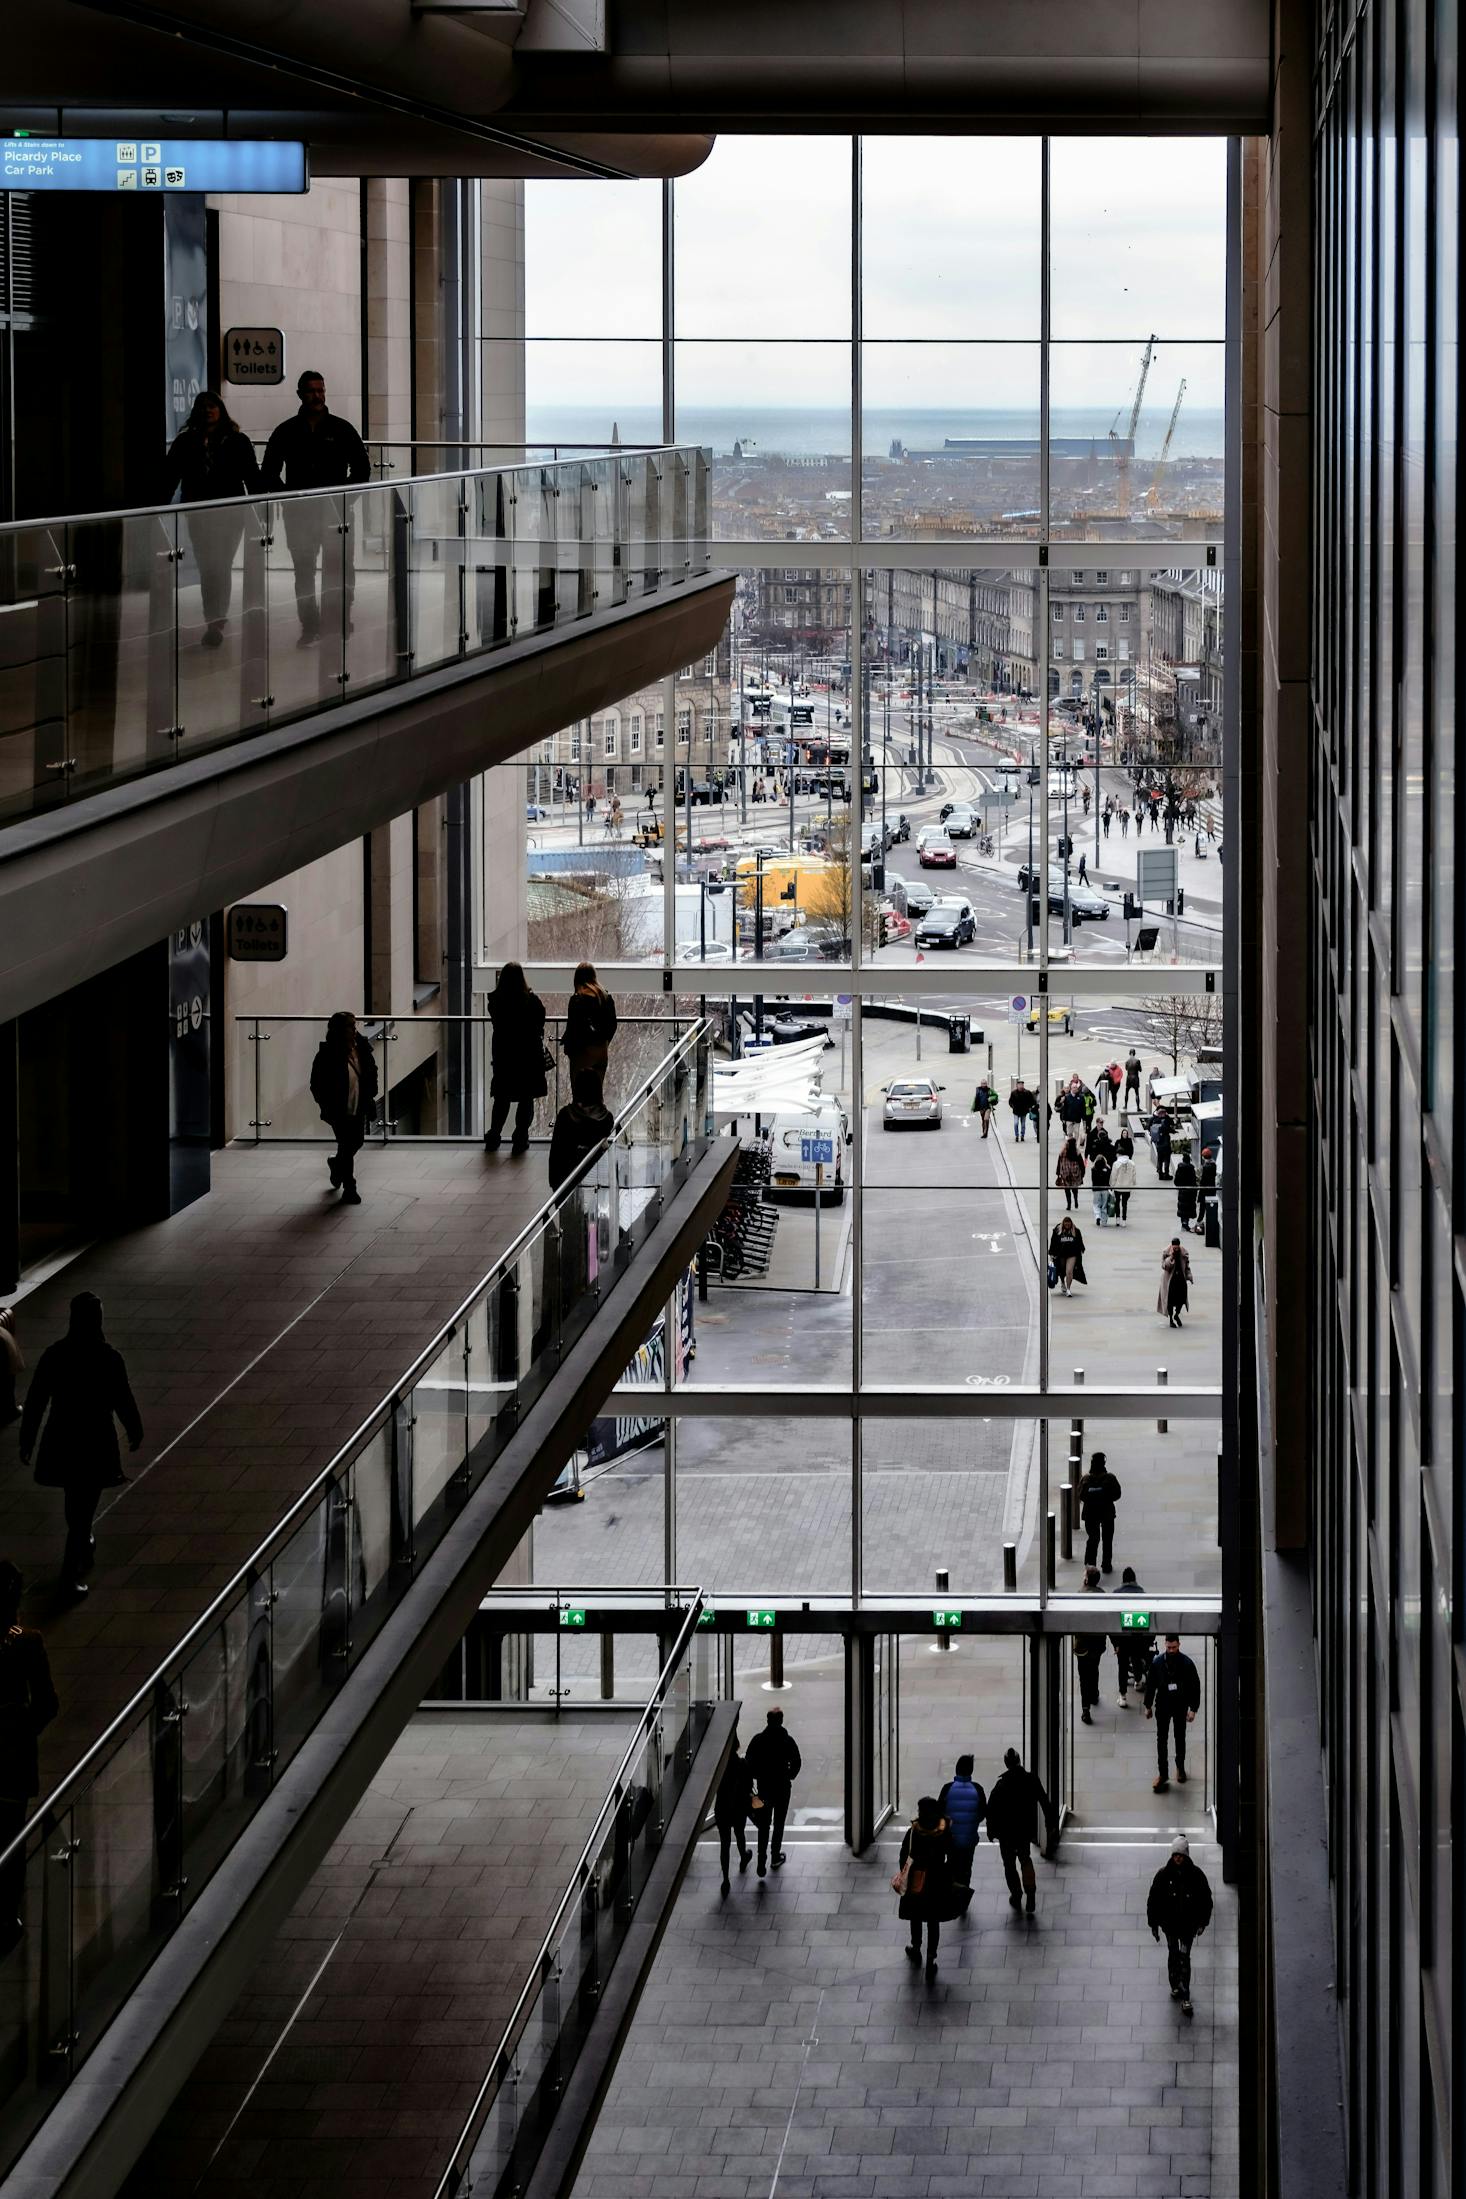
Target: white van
[{"x": 791, "y": 1176}]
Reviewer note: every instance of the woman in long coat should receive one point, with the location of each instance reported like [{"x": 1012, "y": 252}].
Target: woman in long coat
[
  {"x": 590, "y": 1026},
  {"x": 517, "y": 1061},
  {"x": 79, "y": 1388},
  {"x": 930, "y": 1898},
  {"x": 1174, "y": 1295},
  {"x": 1066, "y": 1250},
  {"x": 1069, "y": 1172}
]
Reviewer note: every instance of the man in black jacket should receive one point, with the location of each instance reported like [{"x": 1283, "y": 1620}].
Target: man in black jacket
[
  {"x": 344, "y": 1087},
  {"x": 1179, "y": 1904},
  {"x": 774, "y": 1763},
  {"x": 315, "y": 450},
  {"x": 1099, "y": 1493},
  {"x": 1012, "y": 1821},
  {"x": 1172, "y": 1698}
]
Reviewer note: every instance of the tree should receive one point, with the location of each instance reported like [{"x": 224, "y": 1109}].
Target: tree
[{"x": 1180, "y": 1023}]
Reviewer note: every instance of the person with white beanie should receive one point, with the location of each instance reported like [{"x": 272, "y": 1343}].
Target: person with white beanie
[{"x": 1180, "y": 1906}]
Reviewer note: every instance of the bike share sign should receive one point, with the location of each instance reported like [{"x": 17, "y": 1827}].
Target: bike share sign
[{"x": 819, "y": 1150}]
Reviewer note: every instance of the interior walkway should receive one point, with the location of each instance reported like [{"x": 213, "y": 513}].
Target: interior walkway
[
  {"x": 785, "y": 2049},
  {"x": 352, "y": 2058},
  {"x": 260, "y": 1327}
]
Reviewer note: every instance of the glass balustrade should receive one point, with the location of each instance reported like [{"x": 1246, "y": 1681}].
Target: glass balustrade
[
  {"x": 122, "y": 1849},
  {"x": 136, "y": 640}
]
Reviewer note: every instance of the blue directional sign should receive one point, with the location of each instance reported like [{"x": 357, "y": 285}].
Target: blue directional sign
[
  {"x": 817, "y": 1149},
  {"x": 139, "y": 164}
]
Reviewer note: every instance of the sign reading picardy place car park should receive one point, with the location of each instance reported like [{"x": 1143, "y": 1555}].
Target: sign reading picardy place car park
[{"x": 140, "y": 164}]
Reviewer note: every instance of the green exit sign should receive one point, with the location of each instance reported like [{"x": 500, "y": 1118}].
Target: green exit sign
[
  {"x": 570, "y": 1615},
  {"x": 759, "y": 1618},
  {"x": 1135, "y": 1618},
  {"x": 707, "y": 1615},
  {"x": 946, "y": 1618}
]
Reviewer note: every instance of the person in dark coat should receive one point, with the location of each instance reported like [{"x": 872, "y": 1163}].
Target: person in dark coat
[
  {"x": 208, "y": 460},
  {"x": 731, "y": 1809},
  {"x": 1160, "y": 1140},
  {"x": 1099, "y": 1493},
  {"x": 964, "y": 1805},
  {"x": 517, "y": 1058},
  {"x": 316, "y": 450},
  {"x": 1185, "y": 1180},
  {"x": 590, "y": 1026},
  {"x": 1069, "y": 1172},
  {"x": 1023, "y": 1104},
  {"x": 984, "y": 1100},
  {"x": 27, "y": 1706},
  {"x": 1099, "y": 1177},
  {"x": 1174, "y": 1295},
  {"x": 774, "y": 1764},
  {"x": 1208, "y": 1224},
  {"x": 344, "y": 1087},
  {"x": 79, "y": 1387},
  {"x": 1066, "y": 1250},
  {"x": 1071, "y": 1107},
  {"x": 1089, "y": 1653},
  {"x": 1172, "y": 1698},
  {"x": 929, "y": 1898},
  {"x": 1179, "y": 1904},
  {"x": 1012, "y": 1821},
  {"x": 1132, "y": 1648}
]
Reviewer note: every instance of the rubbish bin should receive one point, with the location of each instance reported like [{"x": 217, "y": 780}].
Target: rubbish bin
[{"x": 958, "y": 1034}]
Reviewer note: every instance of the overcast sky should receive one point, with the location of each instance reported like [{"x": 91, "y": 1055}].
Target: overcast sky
[{"x": 951, "y": 238}]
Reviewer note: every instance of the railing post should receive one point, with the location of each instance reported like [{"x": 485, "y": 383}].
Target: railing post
[
  {"x": 1010, "y": 1568},
  {"x": 169, "y": 1712},
  {"x": 1162, "y": 1427},
  {"x": 259, "y": 1685}
]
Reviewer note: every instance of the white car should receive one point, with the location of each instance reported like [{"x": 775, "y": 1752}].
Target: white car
[{"x": 913, "y": 1103}]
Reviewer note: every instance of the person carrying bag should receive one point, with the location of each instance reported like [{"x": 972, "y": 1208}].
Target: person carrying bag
[{"x": 924, "y": 1882}]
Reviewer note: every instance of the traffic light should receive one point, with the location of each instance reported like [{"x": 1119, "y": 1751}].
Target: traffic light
[{"x": 1180, "y": 900}]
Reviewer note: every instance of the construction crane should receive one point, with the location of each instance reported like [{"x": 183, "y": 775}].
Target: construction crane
[
  {"x": 1123, "y": 447},
  {"x": 1152, "y": 494}
]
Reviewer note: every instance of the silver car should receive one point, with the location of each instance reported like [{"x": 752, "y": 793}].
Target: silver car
[{"x": 914, "y": 1103}]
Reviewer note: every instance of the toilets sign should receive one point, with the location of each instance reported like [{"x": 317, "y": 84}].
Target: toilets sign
[{"x": 254, "y": 355}]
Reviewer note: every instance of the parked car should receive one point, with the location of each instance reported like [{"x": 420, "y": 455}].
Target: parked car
[
  {"x": 534, "y": 811},
  {"x": 936, "y": 852},
  {"x": 946, "y": 924},
  {"x": 797, "y": 946},
  {"x": 914, "y": 1103}
]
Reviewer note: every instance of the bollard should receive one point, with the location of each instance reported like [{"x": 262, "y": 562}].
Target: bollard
[
  {"x": 1049, "y": 1564},
  {"x": 776, "y": 1658},
  {"x": 1076, "y": 1469},
  {"x": 1076, "y": 1435},
  {"x": 608, "y": 1667},
  {"x": 1010, "y": 1568},
  {"x": 1079, "y": 1383},
  {"x": 1066, "y": 1521},
  {"x": 1162, "y": 1427}
]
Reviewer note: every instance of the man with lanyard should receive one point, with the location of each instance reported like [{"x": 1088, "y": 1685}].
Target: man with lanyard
[{"x": 316, "y": 450}]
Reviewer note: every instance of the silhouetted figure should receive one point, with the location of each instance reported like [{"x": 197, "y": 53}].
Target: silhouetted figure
[{"x": 79, "y": 1389}]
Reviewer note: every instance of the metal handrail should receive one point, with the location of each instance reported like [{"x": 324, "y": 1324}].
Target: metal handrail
[
  {"x": 488, "y": 2091},
  {"x": 44, "y": 520},
  {"x": 280, "y": 1534}
]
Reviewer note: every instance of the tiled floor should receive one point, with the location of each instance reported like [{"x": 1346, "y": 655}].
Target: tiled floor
[
  {"x": 785, "y": 2049},
  {"x": 352, "y": 2058},
  {"x": 259, "y": 1328}
]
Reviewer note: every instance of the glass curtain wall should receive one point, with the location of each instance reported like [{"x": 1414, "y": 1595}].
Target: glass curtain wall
[{"x": 937, "y": 834}]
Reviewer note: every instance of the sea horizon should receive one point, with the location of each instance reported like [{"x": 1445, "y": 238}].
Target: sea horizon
[{"x": 824, "y": 431}]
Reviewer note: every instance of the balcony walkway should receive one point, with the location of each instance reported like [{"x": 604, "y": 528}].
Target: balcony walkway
[{"x": 260, "y": 1327}]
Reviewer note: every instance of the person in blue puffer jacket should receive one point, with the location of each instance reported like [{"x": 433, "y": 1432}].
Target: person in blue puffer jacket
[{"x": 964, "y": 1805}]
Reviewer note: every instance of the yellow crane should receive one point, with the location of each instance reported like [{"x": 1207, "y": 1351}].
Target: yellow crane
[
  {"x": 1124, "y": 446},
  {"x": 1152, "y": 494}
]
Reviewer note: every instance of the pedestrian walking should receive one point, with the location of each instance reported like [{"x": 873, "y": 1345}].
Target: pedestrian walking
[
  {"x": 1132, "y": 1648},
  {"x": 1174, "y": 1295},
  {"x": 1089, "y": 1654},
  {"x": 924, "y": 1882},
  {"x": 1185, "y": 1180},
  {"x": 209, "y": 460},
  {"x": 1023, "y": 1104},
  {"x": 79, "y": 1388},
  {"x": 1012, "y": 1821},
  {"x": 1160, "y": 1143},
  {"x": 731, "y": 1811},
  {"x": 316, "y": 450},
  {"x": 1066, "y": 1257},
  {"x": 964, "y": 1805},
  {"x": 518, "y": 1060},
  {"x": 1116, "y": 1078},
  {"x": 344, "y": 1088},
  {"x": 1124, "y": 824},
  {"x": 1100, "y": 1166},
  {"x": 590, "y": 1026},
  {"x": 27, "y": 1706},
  {"x": 1071, "y": 1106},
  {"x": 1107, "y": 813},
  {"x": 984, "y": 1100},
  {"x": 1132, "y": 1076},
  {"x": 1179, "y": 1905},
  {"x": 1172, "y": 1698},
  {"x": 1099, "y": 1493},
  {"x": 1069, "y": 1173},
  {"x": 1083, "y": 860},
  {"x": 1122, "y": 1183},
  {"x": 1207, "y": 1219},
  {"x": 774, "y": 1764},
  {"x": 12, "y": 1364}
]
